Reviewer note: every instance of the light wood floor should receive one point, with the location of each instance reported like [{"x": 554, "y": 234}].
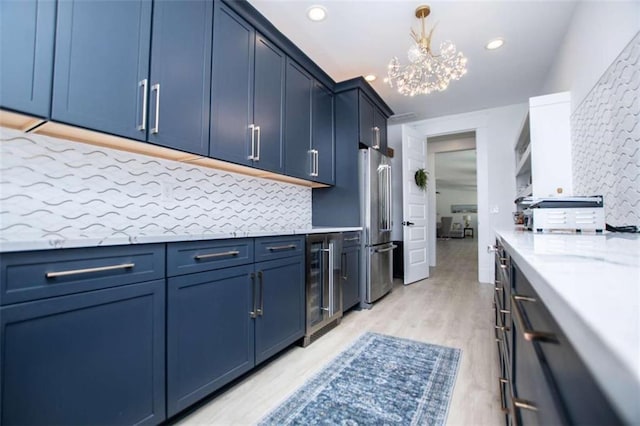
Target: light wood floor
[{"x": 450, "y": 308}]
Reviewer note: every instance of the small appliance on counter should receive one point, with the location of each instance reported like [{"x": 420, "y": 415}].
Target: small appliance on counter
[{"x": 578, "y": 214}]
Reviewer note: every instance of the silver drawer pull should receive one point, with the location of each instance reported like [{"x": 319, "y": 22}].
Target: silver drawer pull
[
  {"x": 287, "y": 247},
  {"x": 352, "y": 239},
  {"x": 528, "y": 334},
  {"x": 212, "y": 255},
  {"x": 89, "y": 270}
]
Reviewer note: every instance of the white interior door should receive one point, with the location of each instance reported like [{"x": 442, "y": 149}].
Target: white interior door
[{"x": 414, "y": 207}]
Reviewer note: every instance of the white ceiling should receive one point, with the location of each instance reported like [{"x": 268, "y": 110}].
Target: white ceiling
[{"x": 360, "y": 37}]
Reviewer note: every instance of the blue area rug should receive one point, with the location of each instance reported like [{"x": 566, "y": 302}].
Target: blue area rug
[{"x": 379, "y": 380}]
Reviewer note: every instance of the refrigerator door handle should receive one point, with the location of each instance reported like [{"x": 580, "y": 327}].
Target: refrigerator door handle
[{"x": 386, "y": 249}]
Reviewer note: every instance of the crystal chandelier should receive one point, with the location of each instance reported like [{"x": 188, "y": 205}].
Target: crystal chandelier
[{"x": 426, "y": 71}]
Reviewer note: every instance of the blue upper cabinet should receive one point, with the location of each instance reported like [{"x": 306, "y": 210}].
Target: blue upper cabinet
[
  {"x": 309, "y": 141},
  {"x": 26, "y": 44},
  {"x": 299, "y": 158},
  {"x": 180, "y": 83},
  {"x": 232, "y": 87},
  {"x": 101, "y": 66},
  {"x": 322, "y": 137},
  {"x": 365, "y": 111},
  {"x": 247, "y": 94},
  {"x": 268, "y": 106}
]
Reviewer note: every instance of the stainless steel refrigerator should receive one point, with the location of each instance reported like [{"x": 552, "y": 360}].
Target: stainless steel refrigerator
[{"x": 375, "y": 217}]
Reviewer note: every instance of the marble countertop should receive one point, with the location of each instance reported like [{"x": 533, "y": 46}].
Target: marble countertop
[
  {"x": 59, "y": 243},
  {"x": 591, "y": 285}
]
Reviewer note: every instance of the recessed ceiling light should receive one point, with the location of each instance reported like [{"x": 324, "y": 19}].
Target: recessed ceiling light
[
  {"x": 317, "y": 13},
  {"x": 370, "y": 77},
  {"x": 494, "y": 44}
]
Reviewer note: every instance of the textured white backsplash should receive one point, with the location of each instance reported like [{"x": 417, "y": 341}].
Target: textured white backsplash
[
  {"x": 606, "y": 139},
  {"x": 56, "y": 189}
]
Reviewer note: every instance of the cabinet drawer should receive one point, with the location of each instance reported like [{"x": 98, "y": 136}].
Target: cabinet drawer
[
  {"x": 200, "y": 256},
  {"x": 578, "y": 392},
  {"x": 34, "y": 275},
  {"x": 269, "y": 248},
  {"x": 351, "y": 239}
]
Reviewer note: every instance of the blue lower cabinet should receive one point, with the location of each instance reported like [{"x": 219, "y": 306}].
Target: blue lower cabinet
[
  {"x": 209, "y": 333},
  {"x": 88, "y": 358},
  {"x": 281, "y": 318}
]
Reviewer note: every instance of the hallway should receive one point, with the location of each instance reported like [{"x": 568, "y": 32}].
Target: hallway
[{"x": 450, "y": 309}]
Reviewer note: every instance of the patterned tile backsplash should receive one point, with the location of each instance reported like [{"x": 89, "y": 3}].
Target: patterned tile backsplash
[
  {"x": 56, "y": 189},
  {"x": 606, "y": 139}
]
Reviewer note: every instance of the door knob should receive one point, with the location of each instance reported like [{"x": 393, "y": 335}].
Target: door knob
[{"x": 407, "y": 223}]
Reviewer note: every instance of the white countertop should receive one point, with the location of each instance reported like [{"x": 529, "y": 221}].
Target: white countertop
[
  {"x": 591, "y": 285},
  {"x": 58, "y": 243}
]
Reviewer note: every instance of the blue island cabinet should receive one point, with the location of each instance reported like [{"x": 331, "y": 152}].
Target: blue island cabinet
[
  {"x": 101, "y": 78},
  {"x": 27, "y": 30},
  {"x": 94, "y": 352}
]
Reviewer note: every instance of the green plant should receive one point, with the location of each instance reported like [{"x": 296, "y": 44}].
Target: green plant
[{"x": 421, "y": 178}]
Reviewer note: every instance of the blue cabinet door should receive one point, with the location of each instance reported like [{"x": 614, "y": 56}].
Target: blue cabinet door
[
  {"x": 180, "y": 83},
  {"x": 297, "y": 134},
  {"x": 281, "y": 301},
  {"x": 268, "y": 105},
  {"x": 365, "y": 120},
  {"x": 26, "y": 44},
  {"x": 322, "y": 138},
  {"x": 102, "y": 65},
  {"x": 88, "y": 358},
  {"x": 209, "y": 333},
  {"x": 232, "y": 87},
  {"x": 350, "y": 277}
]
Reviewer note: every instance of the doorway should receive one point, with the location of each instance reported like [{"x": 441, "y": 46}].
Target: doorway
[{"x": 453, "y": 159}]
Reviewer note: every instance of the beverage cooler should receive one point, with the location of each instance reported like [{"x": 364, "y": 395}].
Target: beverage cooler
[{"x": 323, "y": 286}]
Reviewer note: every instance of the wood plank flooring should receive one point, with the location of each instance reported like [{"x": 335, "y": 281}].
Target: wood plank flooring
[{"x": 451, "y": 308}]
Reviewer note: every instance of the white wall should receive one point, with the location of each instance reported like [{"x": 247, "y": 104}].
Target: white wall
[
  {"x": 394, "y": 140},
  {"x": 448, "y": 196},
  {"x": 496, "y": 132},
  {"x": 598, "y": 32}
]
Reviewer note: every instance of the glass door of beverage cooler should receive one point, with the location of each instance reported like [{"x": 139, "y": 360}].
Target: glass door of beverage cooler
[{"x": 316, "y": 287}]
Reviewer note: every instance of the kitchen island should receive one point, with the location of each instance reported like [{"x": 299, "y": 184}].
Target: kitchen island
[{"x": 590, "y": 284}]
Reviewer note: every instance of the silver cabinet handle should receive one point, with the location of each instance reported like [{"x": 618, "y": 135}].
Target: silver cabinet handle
[
  {"x": 343, "y": 266},
  {"x": 314, "y": 163},
  {"x": 212, "y": 255},
  {"x": 332, "y": 294},
  {"x": 252, "y": 127},
  {"x": 143, "y": 84},
  {"x": 352, "y": 239},
  {"x": 89, "y": 270},
  {"x": 317, "y": 162},
  {"x": 257, "y": 156},
  {"x": 260, "y": 310},
  {"x": 529, "y": 334},
  {"x": 287, "y": 247},
  {"x": 156, "y": 88},
  {"x": 252, "y": 313},
  {"x": 376, "y": 137},
  {"x": 492, "y": 249}
]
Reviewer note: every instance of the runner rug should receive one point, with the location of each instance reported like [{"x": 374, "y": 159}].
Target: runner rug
[{"x": 378, "y": 380}]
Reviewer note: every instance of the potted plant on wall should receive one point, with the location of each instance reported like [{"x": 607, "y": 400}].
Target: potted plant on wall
[{"x": 421, "y": 178}]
